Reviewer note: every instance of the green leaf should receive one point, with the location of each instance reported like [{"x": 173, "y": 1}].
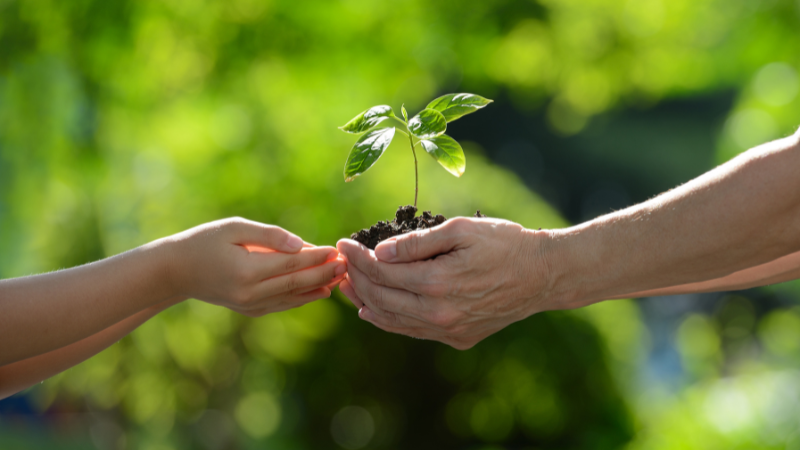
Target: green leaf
[
  {"x": 403, "y": 110},
  {"x": 453, "y": 106},
  {"x": 366, "y": 151},
  {"x": 368, "y": 119},
  {"x": 427, "y": 124},
  {"x": 447, "y": 152}
]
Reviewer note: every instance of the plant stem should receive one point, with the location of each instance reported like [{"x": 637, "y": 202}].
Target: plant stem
[
  {"x": 405, "y": 124},
  {"x": 416, "y": 171}
]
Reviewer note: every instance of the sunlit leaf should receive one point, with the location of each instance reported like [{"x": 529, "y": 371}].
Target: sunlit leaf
[
  {"x": 405, "y": 113},
  {"x": 368, "y": 119},
  {"x": 427, "y": 124},
  {"x": 447, "y": 152},
  {"x": 454, "y": 106},
  {"x": 366, "y": 151}
]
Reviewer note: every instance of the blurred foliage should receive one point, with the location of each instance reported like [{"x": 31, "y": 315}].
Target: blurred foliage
[{"x": 122, "y": 122}]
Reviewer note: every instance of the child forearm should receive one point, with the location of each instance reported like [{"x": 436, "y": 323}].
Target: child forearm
[
  {"x": 23, "y": 374},
  {"x": 45, "y": 312}
]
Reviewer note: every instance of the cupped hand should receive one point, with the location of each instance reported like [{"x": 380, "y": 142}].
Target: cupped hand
[
  {"x": 456, "y": 283},
  {"x": 251, "y": 268}
]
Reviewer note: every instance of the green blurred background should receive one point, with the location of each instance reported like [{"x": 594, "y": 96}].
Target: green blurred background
[{"x": 125, "y": 121}]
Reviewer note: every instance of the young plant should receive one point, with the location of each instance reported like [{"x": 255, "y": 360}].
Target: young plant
[{"x": 426, "y": 129}]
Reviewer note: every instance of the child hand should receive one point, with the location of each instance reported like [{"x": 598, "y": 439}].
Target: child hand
[{"x": 249, "y": 267}]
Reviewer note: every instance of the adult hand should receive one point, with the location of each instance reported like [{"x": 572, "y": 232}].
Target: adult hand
[
  {"x": 251, "y": 268},
  {"x": 456, "y": 283}
]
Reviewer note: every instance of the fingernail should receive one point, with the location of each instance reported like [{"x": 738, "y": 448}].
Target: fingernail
[
  {"x": 294, "y": 243},
  {"x": 340, "y": 269},
  {"x": 332, "y": 255},
  {"x": 366, "y": 314},
  {"x": 386, "y": 251}
]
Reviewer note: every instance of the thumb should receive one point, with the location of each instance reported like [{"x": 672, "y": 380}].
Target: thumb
[
  {"x": 419, "y": 245},
  {"x": 268, "y": 236}
]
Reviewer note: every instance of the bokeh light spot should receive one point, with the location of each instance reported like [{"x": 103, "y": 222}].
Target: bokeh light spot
[
  {"x": 776, "y": 84},
  {"x": 780, "y": 333},
  {"x": 751, "y": 127},
  {"x": 697, "y": 337},
  {"x": 259, "y": 414},
  {"x": 352, "y": 427},
  {"x": 644, "y": 17},
  {"x": 491, "y": 419},
  {"x": 727, "y": 408},
  {"x": 231, "y": 127}
]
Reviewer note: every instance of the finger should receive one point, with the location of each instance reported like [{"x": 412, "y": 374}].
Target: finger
[
  {"x": 340, "y": 277},
  {"x": 317, "y": 294},
  {"x": 367, "y": 313},
  {"x": 301, "y": 299},
  {"x": 350, "y": 293},
  {"x": 272, "y": 264},
  {"x": 315, "y": 276},
  {"x": 330, "y": 286},
  {"x": 256, "y": 248},
  {"x": 251, "y": 233},
  {"x": 416, "y": 332},
  {"x": 280, "y": 303},
  {"x": 423, "y": 244},
  {"x": 415, "y": 277},
  {"x": 421, "y": 332},
  {"x": 336, "y": 281},
  {"x": 393, "y": 304}
]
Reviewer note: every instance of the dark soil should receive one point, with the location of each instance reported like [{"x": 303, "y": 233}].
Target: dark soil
[{"x": 403, "y": 222}]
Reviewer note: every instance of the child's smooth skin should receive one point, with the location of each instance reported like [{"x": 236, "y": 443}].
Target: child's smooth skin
[{"x": 53, "y": 321}]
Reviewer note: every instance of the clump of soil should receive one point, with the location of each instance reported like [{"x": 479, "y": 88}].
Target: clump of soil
[{"x": 405, "y": 221}]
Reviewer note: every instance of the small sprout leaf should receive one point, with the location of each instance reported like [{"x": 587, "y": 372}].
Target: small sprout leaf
[
  {"x": 425, "y": 129},
  {"x": 454, "y": 106},
  {"x": 368, "y": 119},
  {"x": 427, "y": 124},
  {"x": 366, "y": 152},
  {"x": 447, "y": 152}
]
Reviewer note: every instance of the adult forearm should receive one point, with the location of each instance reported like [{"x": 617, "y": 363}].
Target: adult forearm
[
  {"x": 45, "y": 312},
  {"x": 785, "y": 268},
  {"x": 739, "y": 215},
  {"x": 21, "y": 375}
]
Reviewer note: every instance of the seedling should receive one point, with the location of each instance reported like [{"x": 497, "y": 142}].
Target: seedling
[{"x": 426, "y": 129}]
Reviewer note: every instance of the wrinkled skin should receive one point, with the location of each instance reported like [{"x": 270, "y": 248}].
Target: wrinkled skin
[
  {"x": 251, "y": 268},
  {"x": 456, "y": 283}
]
